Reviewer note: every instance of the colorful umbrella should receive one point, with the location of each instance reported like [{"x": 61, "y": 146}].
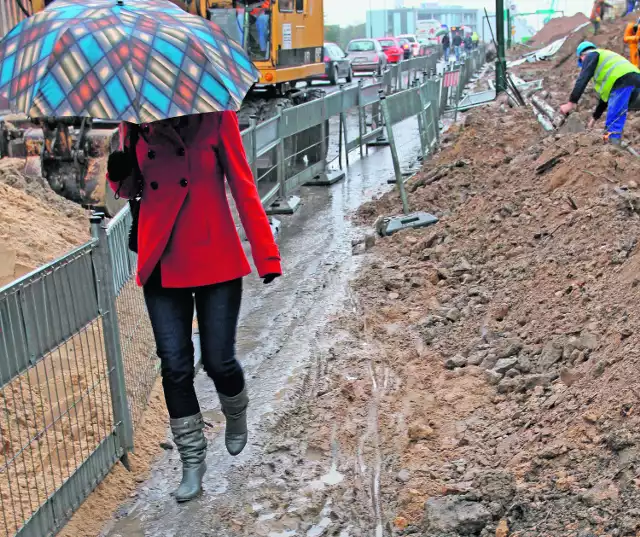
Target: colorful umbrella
[{"x": 122, "y": 60}]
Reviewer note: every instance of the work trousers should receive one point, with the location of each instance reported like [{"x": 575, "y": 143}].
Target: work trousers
[
  {"x": 171, "y": 314},
  {"x": 617, "y": 108}
]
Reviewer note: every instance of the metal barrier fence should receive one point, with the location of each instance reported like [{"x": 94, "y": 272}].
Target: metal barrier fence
[{"x": 77, "y": 358}]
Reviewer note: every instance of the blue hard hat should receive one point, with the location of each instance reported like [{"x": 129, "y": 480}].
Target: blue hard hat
[{"x": 582, "y": 48}]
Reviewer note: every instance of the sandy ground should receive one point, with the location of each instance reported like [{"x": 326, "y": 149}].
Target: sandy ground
[{"x": 36, "y": 224}]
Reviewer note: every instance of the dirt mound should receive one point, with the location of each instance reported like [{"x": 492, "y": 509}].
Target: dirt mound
[
  {"x": 514, "y": 338},
  {"x": 557, "y": 28},
  {"x": 36, "y": 225}
]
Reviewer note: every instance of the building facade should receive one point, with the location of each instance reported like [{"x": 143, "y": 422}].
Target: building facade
[{"x": 397, "y": 21}]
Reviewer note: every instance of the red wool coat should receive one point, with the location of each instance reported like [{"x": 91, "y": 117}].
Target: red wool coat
[{"x": 185, "y": 221}]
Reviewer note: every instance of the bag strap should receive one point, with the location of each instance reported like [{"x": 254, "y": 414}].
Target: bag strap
[{"x": 134, "y": 135}]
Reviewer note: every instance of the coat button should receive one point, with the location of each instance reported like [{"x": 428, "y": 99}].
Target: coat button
[
  {"x": 153, "y": 185},
  {"x": 183, "y": 182},
  {"x": 151, "y": 154},
  {"x": 181, "y": 152}
]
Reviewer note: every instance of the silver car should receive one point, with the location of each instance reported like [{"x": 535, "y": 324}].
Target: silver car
[{"x": 366, "y": 55}]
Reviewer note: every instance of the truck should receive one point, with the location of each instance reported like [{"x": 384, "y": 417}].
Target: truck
[{"x": 426, "y": 30}]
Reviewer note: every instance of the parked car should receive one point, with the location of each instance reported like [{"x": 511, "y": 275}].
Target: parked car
[
  {"x": 392, "y": 49},
  {"x": 406, "y": 47},
  {"x": 366, "y": 55},
  {"x": 337, "y": 65},
  {"x": 413, "y": 44}
]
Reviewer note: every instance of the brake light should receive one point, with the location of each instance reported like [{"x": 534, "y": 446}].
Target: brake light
[
  {"x": 405, "y": 46},
  {"x": 326, "y": 59}
]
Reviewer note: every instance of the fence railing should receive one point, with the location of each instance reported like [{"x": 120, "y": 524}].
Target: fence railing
[{"x": 77, "y": 358}]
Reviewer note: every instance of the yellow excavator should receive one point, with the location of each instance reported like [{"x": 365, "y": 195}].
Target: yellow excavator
[{"x": 284, "y": 39}]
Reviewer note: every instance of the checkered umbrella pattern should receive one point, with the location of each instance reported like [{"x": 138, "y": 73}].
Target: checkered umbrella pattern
[{"x": 123, "y": 60}]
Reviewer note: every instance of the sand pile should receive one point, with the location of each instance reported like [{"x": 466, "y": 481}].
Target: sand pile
[{"x": 36, "y": 224}]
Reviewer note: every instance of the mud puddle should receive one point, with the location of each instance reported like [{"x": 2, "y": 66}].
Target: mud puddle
[{"x": 284, "y": 349}]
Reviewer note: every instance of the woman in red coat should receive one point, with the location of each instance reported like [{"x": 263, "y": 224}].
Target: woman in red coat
[{"x": 189, "y": 252}]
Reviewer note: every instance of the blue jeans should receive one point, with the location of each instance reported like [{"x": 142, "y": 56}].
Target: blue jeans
[
  {"x": 617, "y": 109},
  {"x": 171, "y": 314},
  {"x": 457, "y": 52},
  {"x": 446, "y": 54}
]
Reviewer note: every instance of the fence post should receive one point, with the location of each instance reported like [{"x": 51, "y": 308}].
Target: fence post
[
  {"x": 394, "y": 153},
  {"x": 343, "y": 124},
  {"x": 361, "y": 117},
  {"x": 103, "y": 271},
  {"x": 253, "y": 121}
]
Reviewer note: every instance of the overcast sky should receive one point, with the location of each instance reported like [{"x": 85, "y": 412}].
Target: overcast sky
[{"x": 354, "y": 11}]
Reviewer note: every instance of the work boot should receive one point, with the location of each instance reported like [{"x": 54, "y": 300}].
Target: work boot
[
  {"x": 189, "y": 438},
  {"x": 235, "y": 410},
  {"x": 615, "y": 141}
]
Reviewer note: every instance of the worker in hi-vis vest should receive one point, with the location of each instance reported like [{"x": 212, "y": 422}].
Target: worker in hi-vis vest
[{"x": 616, "y": 81}]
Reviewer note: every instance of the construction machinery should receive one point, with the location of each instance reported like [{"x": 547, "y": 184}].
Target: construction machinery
[{"x": 284, "y": 39}]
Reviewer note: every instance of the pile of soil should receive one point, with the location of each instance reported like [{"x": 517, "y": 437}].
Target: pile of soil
[
  {"x": 557, "y": 28},
  {"x": 483, "y": 379},
  {"x": 36, "y": 224}
]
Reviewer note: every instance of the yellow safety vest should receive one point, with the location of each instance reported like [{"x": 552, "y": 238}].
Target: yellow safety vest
[{"x": 611, "y": 67}]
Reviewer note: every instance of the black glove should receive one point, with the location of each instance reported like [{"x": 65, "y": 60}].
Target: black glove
[
  {"x": 269, "y": 278},
  {"x": 119, "y": 166}
]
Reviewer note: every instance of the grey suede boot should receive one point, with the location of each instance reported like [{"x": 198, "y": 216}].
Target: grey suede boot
[
  {"x": 235, "y": 410},
  {"x": 192, "y": 445}
]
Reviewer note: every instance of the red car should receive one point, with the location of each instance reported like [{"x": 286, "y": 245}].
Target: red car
[{"x": 392, "y": 49}]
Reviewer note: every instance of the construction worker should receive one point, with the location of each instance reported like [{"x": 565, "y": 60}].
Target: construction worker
[
  {"x": 616, "y": 81},
  {"x": 597, "y": 14},
  {"x": 475, "y": 38},
  {"x": 631, "y": 38}
]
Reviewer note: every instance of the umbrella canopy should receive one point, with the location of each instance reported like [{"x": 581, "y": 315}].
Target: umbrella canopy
[
  {"x": 440, "y": 32},
  {"x": 123, "y": 60}
]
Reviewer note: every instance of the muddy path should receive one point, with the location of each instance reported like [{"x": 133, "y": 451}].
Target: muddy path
[{"x": 281, "y": 343}]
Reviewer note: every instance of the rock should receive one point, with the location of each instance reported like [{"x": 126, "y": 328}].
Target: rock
[
  {"x": 455, "y": 515},
  {"x": 551, "y": 354},
  {"x": 369, "y": 241},
  {"x": 600, "y": 368},
  {"x": 509, "y": 385},
  {"x": 504, "y": 364},
  {"x": 539, "y": 380},
  {"x": 601, "y": 492},
  {"x": 457, "y": 361},
  {"x": 420, "y": 432},
  {"x": 570, "y": 376},
  {"x": 524, "y": 364},
  {"x": 590, "y": 417},
  {"x": 489, "y": 361},
  {"x": 508, "y": 347},
  {"x": 462, "y": 267},
  {"x": 503, "y": 529},
  {"x": 167, "y": 446},
  {"x": 393, "y": 296},
  {"x": 403, "y": 476},
  {"x": 512, "y": 373},
  {"x": 475, "y": 359},
  {"x": 587, "y": 341},
  {"x": 619, "y": 440},
  {"x": 493, "y": 377},
  {"x": 553, "y": 451},
  {"x": 626, "y": 333},
  {"x": 443, "y": 274},
  {"x": 453, "y": 315}
]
